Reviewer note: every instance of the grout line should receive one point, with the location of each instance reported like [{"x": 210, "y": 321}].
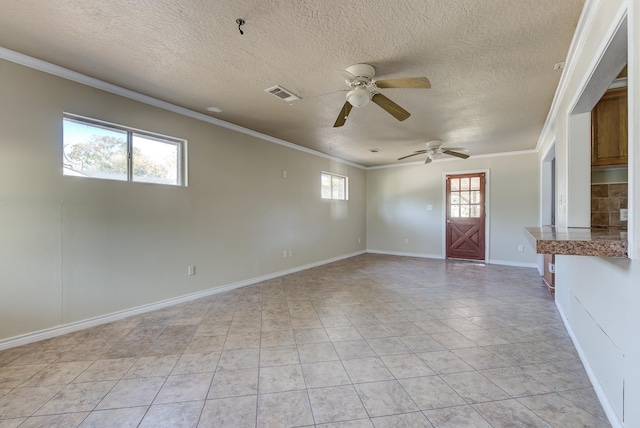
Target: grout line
[{"x": 381, "y": 296}]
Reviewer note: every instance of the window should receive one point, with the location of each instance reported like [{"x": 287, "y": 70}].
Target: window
[
  {"x": 334, "y": 186},
  {"x": 465, "y": 197},
  {"x": 101, "y": 150}
]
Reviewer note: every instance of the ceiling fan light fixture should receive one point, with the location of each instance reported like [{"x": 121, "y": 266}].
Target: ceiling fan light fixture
[{"x": 359, "y": 97}]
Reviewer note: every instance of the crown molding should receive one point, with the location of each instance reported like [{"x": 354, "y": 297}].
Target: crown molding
[{"x": 65, "y": 73}]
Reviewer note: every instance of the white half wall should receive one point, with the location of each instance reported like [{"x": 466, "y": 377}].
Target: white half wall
[{"x": 600, "y": 297}]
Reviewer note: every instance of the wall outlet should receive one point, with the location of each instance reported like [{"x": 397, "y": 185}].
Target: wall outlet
[
  {"x": 520, "y": 247},
  {"x": 191, "y": 270},
  {"x": 285, "y": 253},
  {"x": 429, "y": 207},
  {"x": 284, "y": 174},
  {"x": 406, "y": 240},
  {"x": 358, "y": 240},
  {"x": 624, "y": 214},
  {"x": 290, "y": 253}
]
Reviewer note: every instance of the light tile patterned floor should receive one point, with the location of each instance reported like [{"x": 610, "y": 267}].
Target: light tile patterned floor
[{"x": 373, "y": 340}]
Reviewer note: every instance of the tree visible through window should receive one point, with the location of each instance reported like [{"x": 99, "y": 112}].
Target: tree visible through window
[
  {"x": 334, "y": 186},
  {"x": 99, "y": 150}
]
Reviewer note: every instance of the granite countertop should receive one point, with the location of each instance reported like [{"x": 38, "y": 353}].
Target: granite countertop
[{"x": 577, "y": 241}]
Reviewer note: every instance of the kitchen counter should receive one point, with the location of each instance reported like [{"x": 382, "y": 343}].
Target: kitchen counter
[{"x": 577, "y": 241}]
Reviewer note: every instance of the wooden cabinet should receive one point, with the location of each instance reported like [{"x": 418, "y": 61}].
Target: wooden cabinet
[{"x": 609, "y": 130}]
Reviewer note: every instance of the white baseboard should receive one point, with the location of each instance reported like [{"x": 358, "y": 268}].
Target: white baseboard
[
  {"x": 396, "y": 253},
  {"x": 441, "y": 257},
  {"x": 510, "y": 263},
  {"x": 602, "y": 396},
  {"x": 114, "y": 316}
]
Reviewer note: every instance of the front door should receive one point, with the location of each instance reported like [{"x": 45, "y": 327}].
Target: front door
[{"x": 465, "y": 216}]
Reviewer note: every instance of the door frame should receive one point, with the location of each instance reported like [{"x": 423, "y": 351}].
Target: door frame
[
  {"x": 487, "y": 209},
  {"x": 548, "y": 192}
]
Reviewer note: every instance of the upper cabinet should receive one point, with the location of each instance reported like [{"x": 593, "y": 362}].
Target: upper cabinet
[{"x": 609, "y": 130}]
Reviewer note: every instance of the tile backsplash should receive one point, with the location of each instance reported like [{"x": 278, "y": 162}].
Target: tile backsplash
[{"x": 606, "y": 201}]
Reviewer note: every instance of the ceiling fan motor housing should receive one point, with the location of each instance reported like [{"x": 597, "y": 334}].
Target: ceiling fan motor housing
[
  {"x": 434, "y": 144},
  {"x": 362, "y": 70},
  {"x": 363, "y": 74}
]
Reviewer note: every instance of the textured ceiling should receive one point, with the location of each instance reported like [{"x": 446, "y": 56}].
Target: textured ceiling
[{"x": 490, "y": 63}]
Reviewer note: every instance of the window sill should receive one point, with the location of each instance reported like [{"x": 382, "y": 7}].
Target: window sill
[{"x": 577, "y": 241}]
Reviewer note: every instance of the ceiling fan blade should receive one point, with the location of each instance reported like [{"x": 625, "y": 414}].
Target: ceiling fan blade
[
  {"x": 456, "y": 149},
  {"x": 419, "y": 152},
  {"x": 342, "y": 117},
  {"x": 407, "y": 82},
  {"x": 456, "y": 154},
  {"x": 428, "y": 160},
  {"x": 390, "y": 107}
]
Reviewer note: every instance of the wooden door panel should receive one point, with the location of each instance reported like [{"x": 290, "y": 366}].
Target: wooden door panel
[
  {"x": 465, "y": 227},
  {"x": 465, "y": 242}
]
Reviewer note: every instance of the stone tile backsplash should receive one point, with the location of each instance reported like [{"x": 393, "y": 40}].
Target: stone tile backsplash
[{"x": 606, "y": 201}]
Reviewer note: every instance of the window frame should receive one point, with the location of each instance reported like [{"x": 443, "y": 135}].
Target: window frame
[
  {"x": 333, "y": 197},
  {"x": 181, "y": 176}
]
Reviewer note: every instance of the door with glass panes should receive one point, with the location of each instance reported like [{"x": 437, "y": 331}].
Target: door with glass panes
[{"x": 465, "y": 225}]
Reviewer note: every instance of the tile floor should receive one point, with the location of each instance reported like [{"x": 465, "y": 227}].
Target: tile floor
[{"x": 371, "y": 341}]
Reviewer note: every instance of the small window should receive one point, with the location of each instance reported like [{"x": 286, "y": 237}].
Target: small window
[
  {"x": 101, "y": 150},
  {"x": 334, "y": 186},
  {"x": 465, "y": 197}
]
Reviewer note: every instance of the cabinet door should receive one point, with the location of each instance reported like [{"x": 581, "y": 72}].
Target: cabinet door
[{"x": 609, "y": 129}]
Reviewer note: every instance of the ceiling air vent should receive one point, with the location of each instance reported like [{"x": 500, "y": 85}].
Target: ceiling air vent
[{"x": 282, "y": 93}]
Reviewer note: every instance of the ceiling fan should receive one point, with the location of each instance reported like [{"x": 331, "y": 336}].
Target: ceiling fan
[
  {"x": 435, "y": 150},
  {"x": 363, "y": 88}
]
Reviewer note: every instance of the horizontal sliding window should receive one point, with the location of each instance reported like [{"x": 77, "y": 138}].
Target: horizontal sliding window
[
  {"x": 96, "y": 149},
  {"x": 334, "y": 186}
]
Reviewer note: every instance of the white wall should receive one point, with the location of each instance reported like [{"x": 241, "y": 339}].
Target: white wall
[
  {"x": 75, "y": 248},
  {"x": 398, "y": 197},
  {"x": 600, "y": 297}
]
